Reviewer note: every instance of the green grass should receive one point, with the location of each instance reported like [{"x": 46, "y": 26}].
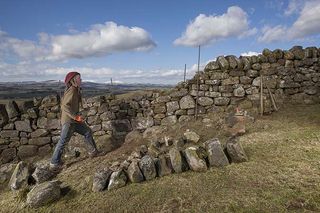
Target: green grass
[{"x": 282, "y": 174}]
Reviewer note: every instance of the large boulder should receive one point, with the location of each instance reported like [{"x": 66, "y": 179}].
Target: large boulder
[
  {"x": 118, "y": 179},
  {"x": 163, "y": 166},
  {"x": 101, "y": 179},
  {"x": 178, "y": 161},
  {"x": 20, "y": 176},
  {"x": 194, "y": 161},
  {"x": 43, "y": 194},
  {"x": 187, "y": 102},
  {"x": 148, "y": 167},
  {"x": 223, "y": 62},
  {"x": 235, "y": 151},
  {"x": 216, "y": 156},
  {"x": 3, "y": 116},
  {"x": 12, "y": 109},
  {"x": 134, "y": 173},
  {"x": 42, "y": 173}
]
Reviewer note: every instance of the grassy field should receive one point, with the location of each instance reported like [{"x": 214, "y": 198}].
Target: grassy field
[{"x": 282, "y": 174}]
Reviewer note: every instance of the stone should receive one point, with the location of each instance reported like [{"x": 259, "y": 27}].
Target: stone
[
  {"x": 191, "y": 136},
  {"x": 223, "y": 63},
  {"x": 42, "y": 122},
  {"x": 256, "y": 66},
  {"x": 39, "y": 133},
  {"x": 20, "y": 176},
  {"x": 53, "y": 124},
  {"x": 239, "y": 92},
  {"x": 169, "y": 120},
  {"x": 118, "y": 179},
  {"x": 44, "y": 150},
  {"x": 158, "y": 109},
  {"x": 43, "y": 194},
  {"x": 3, "y": 116},
  {"x": 23, "y": 126},
  {"x": 178, "y": 161},
  {"x": 163, "y": 166},
  {"x": 106, "y": 116},
  {"x": 232, "y": 61},
  {"x": 12, "y": 109},
  {"x": 221, "y": 101},
  {"x": 42, "y": 174},
  {"x": 216, "y": 156},
  {"x": 148, "y": 167},
  {"x": 298, "y": 52},
  {"x": 205, "y": 101},
  {"x": 25, "y": 151},
  {"x": 179, "y": 93},
  {"x": 236, "y": 152},
  {"x": 187, "y": 102},
  {"x": 40, "y": 141},
  {"x": 163, "y": 99},
  {"x": 50, "y": 101},
  {"x": 172, "y": 106},
  {"x": 212, "y": 65},
  {"x": 142, "y": 123},
  {"x": 9, "y": 133},
  {"x": 7, "y": 155},
  {"x": 101, "y": 180},
  {"x": 134, "y": 173},
  {"x": 194, "y": 161}
]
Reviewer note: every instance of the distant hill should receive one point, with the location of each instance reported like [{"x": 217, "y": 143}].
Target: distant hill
[{"x": 29, "y": 89}]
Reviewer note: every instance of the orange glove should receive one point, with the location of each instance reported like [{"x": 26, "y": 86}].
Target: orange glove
[{"x": 78, "y": 118}]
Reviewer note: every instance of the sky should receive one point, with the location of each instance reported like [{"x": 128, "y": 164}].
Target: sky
[{"x": 143, "y": 41}]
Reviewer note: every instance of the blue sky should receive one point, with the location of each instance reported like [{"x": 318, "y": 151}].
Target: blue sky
[{"x": 143, "y": 41}]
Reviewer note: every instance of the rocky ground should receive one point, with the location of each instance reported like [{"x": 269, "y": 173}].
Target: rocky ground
[{"x": 282, "y": 173}]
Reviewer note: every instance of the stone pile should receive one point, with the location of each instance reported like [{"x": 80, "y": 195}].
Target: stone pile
[{"x": 142, "y": 165}]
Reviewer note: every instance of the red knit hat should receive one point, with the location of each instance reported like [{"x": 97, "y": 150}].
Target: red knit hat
[{"x": 69, "y": 76}]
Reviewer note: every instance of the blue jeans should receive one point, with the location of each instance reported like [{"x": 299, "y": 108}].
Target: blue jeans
[{"x": 66, "y": 132}]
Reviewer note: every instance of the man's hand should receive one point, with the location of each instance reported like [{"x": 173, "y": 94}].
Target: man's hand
[{"x": 79, "y": 118}]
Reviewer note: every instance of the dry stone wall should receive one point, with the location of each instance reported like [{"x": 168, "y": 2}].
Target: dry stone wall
[{"x": 33, "y": 127}]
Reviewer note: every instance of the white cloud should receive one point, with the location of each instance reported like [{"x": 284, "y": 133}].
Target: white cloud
[
  {"x": 208, "y": 29},
  {"x": 271, "y": 34},
  {"x": 294, "y": 6},
  {"x": 307, "y": 24},
  {"x": 250, "y": 53},
  {"x": 100, "y": 40}
]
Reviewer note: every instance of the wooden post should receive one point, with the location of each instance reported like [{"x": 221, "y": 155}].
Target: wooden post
[
  {"x": 185, "y": 71},
  {"x": 272, "y": 99},
  {"x": 261, "y": 95},
  {"x": 196, "y": 112}
]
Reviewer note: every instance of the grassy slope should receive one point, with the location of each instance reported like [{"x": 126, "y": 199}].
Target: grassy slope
[{"x": 282, "y": 174}]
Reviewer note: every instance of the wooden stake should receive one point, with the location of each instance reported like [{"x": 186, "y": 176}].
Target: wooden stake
[
  {"x": 196, "y": 112},
  {"x": 261, "y": 95}
]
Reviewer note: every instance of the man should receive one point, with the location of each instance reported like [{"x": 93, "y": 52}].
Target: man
[{"x": 72, "y": 121}]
